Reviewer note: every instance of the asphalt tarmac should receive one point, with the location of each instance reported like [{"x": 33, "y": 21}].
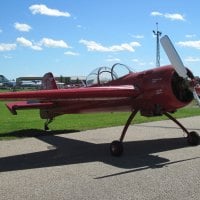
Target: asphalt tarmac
[{"x": 157, "y": 164}]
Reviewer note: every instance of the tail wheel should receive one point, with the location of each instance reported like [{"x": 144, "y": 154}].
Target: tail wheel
[
  {"x": 193, "y": 138},
  {"x": 46, "y": 124}
]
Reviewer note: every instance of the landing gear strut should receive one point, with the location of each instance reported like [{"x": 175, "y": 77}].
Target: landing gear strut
[
  {"x": 192, "y": 137},
  {"x": 46, "y": 124},
  {"x": 116, "y": 147}
]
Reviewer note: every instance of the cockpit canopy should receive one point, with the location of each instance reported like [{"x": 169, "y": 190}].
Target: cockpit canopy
[{"x": 103, "y": 75}]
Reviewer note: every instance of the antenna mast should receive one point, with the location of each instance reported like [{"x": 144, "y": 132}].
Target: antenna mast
[{"x": 157, "y": 34}]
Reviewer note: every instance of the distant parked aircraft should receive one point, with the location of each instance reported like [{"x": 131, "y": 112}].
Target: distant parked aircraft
[
  {"x": 5, "y": 82},
  {"x": 32, "y": 84}
]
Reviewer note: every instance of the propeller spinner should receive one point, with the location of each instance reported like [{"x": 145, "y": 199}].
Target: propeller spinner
[{"x": 178, "y": 64}]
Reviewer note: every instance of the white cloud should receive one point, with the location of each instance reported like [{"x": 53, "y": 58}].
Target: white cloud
[
  {"x": 192, "y": 59},
  {"x": 190, "y": 35},
  {"x": 7, "y": 47},
  {"x": 138, "y": 36},
  {"x": 22, "y": 27},
  {"x": 138, "y": 62},
  {"x": 7, "y": 56},
  {"x": 24, "y": 42},
  {"x": 71, "y": 53},
  {"x": 155, "y": 13},
  {"x": 44, "y": 10},
  {"x": 94, "y": 46},
  {"x": 45, "y": 42},
  {"x": 48, "y": 42},
  {"x": 192, "y": 44},
  {"x": 171, "y": 16},
  {"x": 175, "y": 16},
  {"x": 135, "y": 60},
  {"x": 27, "y": 43},
  {"x": 79, "y": 26},
  {"x": 36, "y": 47},
  {"x": 113, "y": 59}
]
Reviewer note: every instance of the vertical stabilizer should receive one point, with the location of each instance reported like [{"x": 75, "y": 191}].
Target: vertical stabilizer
[{"x": 48, "y": 82}]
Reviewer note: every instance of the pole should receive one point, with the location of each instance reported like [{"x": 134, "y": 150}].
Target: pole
[{"x": 157, "y": 33}]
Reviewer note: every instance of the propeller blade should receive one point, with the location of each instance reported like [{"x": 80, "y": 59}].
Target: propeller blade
[{"x": 173, "y": 56}]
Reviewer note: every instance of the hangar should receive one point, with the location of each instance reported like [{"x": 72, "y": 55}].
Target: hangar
[{"x": 62, "y": 81}]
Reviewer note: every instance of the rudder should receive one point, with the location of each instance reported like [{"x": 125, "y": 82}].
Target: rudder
[{"x": 48, "y": 82}]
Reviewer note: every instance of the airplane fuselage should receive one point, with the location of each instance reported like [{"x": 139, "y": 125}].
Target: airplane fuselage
[
  {"x": 159, "y": 90},
  {"x": 152, "y": 92}
]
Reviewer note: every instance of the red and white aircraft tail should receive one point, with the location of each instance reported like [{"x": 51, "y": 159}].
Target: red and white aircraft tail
[{"x": 49, "y": 82}]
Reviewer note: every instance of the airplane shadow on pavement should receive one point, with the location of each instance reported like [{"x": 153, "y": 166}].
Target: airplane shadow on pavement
[
  {"x": 35, "y": 133},
  {"x": 65, "y": 151}
]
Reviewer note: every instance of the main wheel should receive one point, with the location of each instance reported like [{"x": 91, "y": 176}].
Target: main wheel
[
  {"x": 116, "y": 148},
  {"x": 193, "y": 138}
]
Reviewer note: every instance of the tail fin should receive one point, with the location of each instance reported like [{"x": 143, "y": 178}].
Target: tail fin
[{"x": 48, "y": 82}]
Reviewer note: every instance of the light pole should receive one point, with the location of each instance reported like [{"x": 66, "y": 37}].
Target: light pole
[{"x": 157, "y": 34}]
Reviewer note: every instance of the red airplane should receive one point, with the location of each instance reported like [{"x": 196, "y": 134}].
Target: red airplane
[{"x": 154, "y": 92}]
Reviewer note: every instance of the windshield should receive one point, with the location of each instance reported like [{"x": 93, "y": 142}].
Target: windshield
[{"x": 104, "y": 75}]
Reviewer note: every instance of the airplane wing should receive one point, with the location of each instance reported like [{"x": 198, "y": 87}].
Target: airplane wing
[{"x": 50, "y": 98}]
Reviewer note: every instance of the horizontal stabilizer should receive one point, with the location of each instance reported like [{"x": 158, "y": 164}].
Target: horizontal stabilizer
[{"x": 22, "y": 105}]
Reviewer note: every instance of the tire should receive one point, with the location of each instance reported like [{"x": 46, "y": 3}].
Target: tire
[
  {"x": 193, "y": 138},
  {"x": 116, "y": 148}
]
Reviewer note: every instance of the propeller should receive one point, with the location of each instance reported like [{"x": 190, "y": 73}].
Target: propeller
[{"x": 178, "y": 65}]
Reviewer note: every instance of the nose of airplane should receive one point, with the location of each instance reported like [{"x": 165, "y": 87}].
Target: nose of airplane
[{"x": 178, "y": 65}]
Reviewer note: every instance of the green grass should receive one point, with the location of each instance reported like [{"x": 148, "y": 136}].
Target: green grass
[{"x": 28, "y": 122}]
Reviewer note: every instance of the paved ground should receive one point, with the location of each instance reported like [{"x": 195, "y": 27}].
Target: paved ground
[{"x": 157, "y": 164}]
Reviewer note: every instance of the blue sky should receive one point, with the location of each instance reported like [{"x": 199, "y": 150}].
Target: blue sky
[{"x": 69, "y": 37}]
